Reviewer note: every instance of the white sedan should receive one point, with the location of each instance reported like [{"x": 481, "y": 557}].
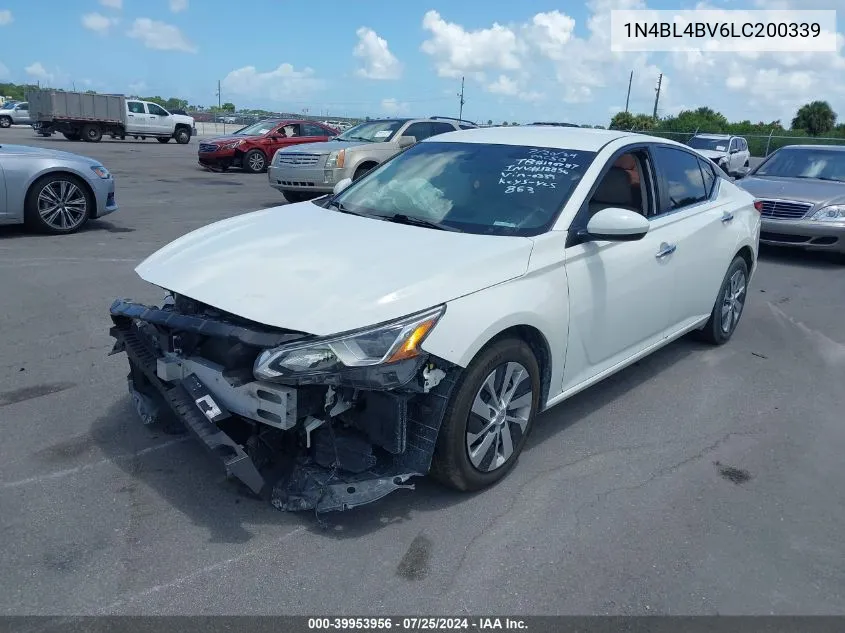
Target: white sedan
[{"x": 419, "y": 319}]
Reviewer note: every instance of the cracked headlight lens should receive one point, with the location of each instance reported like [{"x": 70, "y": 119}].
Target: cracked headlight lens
[
  {"x": 833, "y": 213},
  {"x": 387, "y": 343}
]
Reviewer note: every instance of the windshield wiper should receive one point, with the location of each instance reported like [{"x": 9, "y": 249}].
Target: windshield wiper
[
  {"x": 820, "y": 178},
  {"x": 401, "y": 218},
  {"x": 358, "y": 138},
  {"x": 344, "y": 209}
]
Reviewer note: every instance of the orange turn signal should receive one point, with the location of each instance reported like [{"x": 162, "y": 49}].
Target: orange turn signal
[{"x": 410, "y": 347}]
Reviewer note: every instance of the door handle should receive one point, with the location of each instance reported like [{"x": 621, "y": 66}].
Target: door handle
[
  {"x": 727, "y": 216},
  {"x": 665, "y": 249}
]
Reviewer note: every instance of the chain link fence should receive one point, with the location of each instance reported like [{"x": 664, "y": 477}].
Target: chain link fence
[{"x": 760, "y": 145}]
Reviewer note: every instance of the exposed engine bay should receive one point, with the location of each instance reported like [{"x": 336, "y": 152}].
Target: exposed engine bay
[{"x": 285, "y": 416}]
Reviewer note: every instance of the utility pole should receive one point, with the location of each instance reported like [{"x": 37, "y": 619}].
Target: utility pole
[
  {"x": 628, "y": 98},
  {"x": 219, "y": 96},
  {"x": 462, "y": 102},
  {"x": 657, "y": 96}
]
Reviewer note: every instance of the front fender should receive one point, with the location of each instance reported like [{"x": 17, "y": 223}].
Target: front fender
[
  {"x": 539, "y": 300},
  {"x": 16, "y": 196}
]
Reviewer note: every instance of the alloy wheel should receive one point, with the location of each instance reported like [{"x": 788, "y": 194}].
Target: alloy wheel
[
  {"x": 256, "y": 162},
  {"x": 62, "y": 205},
  {"x": 733, "y": 301},
  {"x": 499, "y": 416}
]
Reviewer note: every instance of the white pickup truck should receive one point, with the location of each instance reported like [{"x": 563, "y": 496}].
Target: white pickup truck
[{"x": 79, "y": 115}]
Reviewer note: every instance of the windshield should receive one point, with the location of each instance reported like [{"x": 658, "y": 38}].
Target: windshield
[
  {"x": 472, "y": 187},
  {"x": 371, "y": 131},
  {"x": 257, "y": 129},
  {"x": 820, "y": 163},
  {"x": 714, "y": 144}
]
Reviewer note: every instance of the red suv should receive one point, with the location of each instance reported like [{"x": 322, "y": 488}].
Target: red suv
[{"x": 252, "y": 148}]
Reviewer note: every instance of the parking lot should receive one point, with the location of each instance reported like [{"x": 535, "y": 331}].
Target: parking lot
[{"x": 698, "y": 481}]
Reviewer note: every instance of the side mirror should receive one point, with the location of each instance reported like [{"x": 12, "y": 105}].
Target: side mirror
[
  {"x": 617, "y": 225},
  {"x": 343, "y": 184},
  {"x": 407, "y": 141}
]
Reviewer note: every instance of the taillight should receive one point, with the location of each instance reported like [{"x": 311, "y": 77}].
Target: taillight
[{"x": 758, "y": 204}]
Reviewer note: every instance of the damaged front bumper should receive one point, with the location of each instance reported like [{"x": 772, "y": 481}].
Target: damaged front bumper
[{"x": 303, "y": 447}]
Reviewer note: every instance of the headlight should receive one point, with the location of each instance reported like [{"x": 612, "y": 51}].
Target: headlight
[
  {"x": 231, "y": 145},
  {"x": 833, "y": 213},
  {"x": 336, "y": 158},
  {"x": 388, "y": 343},
  {"x": 101, "y": 171}
]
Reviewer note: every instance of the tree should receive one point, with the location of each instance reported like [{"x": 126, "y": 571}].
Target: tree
[
  {"x": 703, "y": 119},
  {"x": 504, "y": 122},
  {"x": 228, "y": 107},
  {"x": 644, "y": 122},
  {"x": 815, "y": 118},
  {"x": 622, "y": 121},
  {"x": 489, "y": 121},
  {"x": 174, "y": 103}
]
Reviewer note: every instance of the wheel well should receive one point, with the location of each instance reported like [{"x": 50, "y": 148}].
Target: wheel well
[
  {"x": 540, "y": 347},
  {"x": 85, "y": 184},
  {"x": 367, "y": 164},
  {"x": 182, "y": 126},
  {"x": 746, "y": 254}
]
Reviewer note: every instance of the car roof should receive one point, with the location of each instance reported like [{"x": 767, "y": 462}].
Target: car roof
[
  {"x": 573, "y": 138},
  {"x": 835, "y": 148},
  {"x": 714, "y": 136}
]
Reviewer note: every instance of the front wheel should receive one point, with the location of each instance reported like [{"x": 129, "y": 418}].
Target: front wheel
[
  {"x": 58, "y": 204},
  {"x": 254, "y": 161},
  {"x": 488, "y": 417},
  {"x": 729, "y": 305},
  {"x": 5, "y": 121},
  {"x": 182, "y": 136}
]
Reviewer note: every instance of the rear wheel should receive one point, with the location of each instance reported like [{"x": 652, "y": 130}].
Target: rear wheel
[
  {"x": 729, "y": 305},
  {"x": 58, "y": 203},
  {"x": 5, "y": 121},
  {"x": 163, "y": 139},
  {"x": 488, "y": 417},
  {"x": 254, "y": 161},
  {"x": 92, "y": 133}
]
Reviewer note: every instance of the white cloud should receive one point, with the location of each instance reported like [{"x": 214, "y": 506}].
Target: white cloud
[
  {"x": 4, "y": 71},
  {"x": 458, "y": 52},
  {"x": 378, "y": 61},
  {"x": 112, "y": 4},
  {"x": 393, "y": 107},
  {"x": 281, "y": 84},
  {"x": 6, "y": 17},
  {"x": 507, "y": 86},
  {"x": 178, "y": 5},
  {"x": 160, "y": 36},
  {"x": 137, "y": 87},
  {"x": 98, "y": 22},
  {"x": 37, "y": 71}
]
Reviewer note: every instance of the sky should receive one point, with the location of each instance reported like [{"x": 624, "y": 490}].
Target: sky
[{"x": 522, "y": 61}]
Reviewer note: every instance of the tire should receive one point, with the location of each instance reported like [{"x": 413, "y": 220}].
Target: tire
[
  {"x": 41, "y": 208},
  {"x": 182, "y": 136},
  {"x": 730, "y": 304},
  {"x": 92, "y": 133},
  {"x": 455, "y": 464},
  {"x": 163, "y": 139},
  {"x": 362, "y": 171},
  {"x": 71, "y": 136},
  {"x": 254, "y": 161},
  {"x": 5, "y": 122}
]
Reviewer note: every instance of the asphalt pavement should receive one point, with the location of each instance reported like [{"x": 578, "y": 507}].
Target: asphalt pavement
[{"x": 699, "y": 481}]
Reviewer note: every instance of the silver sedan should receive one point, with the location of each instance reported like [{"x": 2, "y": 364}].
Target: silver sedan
[
  {"x": 800, "y": 191},
  {"x": 52, "y": 191}
]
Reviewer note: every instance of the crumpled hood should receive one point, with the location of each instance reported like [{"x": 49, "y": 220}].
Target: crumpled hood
[
  {"x": 712, "y": 154},
  {"x": 220, "y": 140},
  {"x": 320, "y": 271},
  {"x": 40, "y": 152}
]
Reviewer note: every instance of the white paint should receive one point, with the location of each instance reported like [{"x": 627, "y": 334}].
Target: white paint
[
  {"x": 59, "y": 474},
  {"x": 181, "y": 580}
]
